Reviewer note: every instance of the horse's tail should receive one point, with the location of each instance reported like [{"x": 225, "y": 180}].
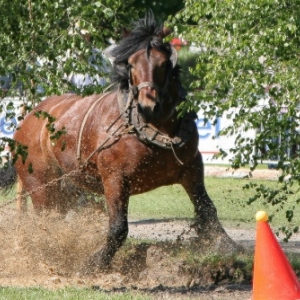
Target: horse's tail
[{"x": 8, "y": 177}]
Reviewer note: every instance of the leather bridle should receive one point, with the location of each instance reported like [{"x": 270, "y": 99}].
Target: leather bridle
[{"x": 161, "y": 90}]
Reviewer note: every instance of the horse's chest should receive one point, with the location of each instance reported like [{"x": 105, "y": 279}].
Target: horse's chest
[
  {"x": 141, "y": 166},
  {"x": 147, "y": 167},
  {"x": 153, "y": 172}
]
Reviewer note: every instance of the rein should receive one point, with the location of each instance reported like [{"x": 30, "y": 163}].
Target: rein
[
  {"x": 148, "y": 133},
  {"x": 83, "y": 124},
  {"x": 145, "y": 132}
]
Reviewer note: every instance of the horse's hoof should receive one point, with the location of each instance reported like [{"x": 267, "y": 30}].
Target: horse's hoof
[
  {"x": 94, "y": 265},
  {"x": 217, "y": 240}
]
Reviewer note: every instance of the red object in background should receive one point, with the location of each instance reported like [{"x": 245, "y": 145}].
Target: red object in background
[
  {"x": 178, "y": 43},
  {"x": 273, "y": 278}
]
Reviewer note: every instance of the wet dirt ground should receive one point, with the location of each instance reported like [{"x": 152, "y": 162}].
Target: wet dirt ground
[{"x": 48, "y": 252}]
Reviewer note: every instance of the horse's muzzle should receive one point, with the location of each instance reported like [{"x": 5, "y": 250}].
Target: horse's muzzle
[{"x": 150, "y": 112}]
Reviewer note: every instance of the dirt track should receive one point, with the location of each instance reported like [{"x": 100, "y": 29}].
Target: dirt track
[
  {"x": 270, "y": 174},
  {"x": 49, "y": 251},
  {"x": 38, "y": 251}
]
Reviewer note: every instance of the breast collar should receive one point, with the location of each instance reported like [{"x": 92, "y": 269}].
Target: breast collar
[{"x": 148, "y": 133}]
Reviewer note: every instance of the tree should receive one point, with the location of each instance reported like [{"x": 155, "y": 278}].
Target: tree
[
  {"x": 44, "y": 42},
  {"x": 249, "y": 69},
  {"x": 161, "y": 9}
]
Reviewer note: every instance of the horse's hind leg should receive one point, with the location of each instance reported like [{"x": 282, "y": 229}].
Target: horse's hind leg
[
  {"x": 21, "y": 199},
  {"x": 46, "y": 190},
  {"x": 59, "y": 196},
  {"x": 207, "y": 225},
  {"x": 50, "y": 198}
]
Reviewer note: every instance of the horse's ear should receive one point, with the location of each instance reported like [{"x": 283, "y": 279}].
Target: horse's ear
[
  {"x": 165, "y": 32},
  {"x": 174, "y": 57}
]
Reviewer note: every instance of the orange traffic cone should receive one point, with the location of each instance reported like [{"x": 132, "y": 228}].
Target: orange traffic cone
[{"x": 273, "y": 278}]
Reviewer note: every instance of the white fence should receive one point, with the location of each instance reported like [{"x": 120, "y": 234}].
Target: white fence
[{"x": 209, "y": 141}]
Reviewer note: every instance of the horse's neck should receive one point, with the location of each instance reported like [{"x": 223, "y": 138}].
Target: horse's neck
[{"x": 171, "y": 121}]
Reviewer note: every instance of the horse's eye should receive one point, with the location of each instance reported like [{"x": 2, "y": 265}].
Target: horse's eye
[{"x": 129, "y": 66}]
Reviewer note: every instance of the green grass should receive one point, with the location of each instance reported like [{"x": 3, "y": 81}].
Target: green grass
[
  {"x": 258, "y": 167},
  {"x": 231, "y": 201},
  {"x": 7, "y": 196},
  {"x": 7, "y": 293},
  {"x": 227, "y": 194},
  {"x": 169, "y": 202}
]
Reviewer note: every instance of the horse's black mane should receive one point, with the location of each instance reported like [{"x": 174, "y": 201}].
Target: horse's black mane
[{"x": 145, "y": 34}]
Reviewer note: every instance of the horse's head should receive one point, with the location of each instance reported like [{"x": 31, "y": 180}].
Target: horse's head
[
  {"x": 146, "y": 66},
  {"x": 150, "y": 72}
]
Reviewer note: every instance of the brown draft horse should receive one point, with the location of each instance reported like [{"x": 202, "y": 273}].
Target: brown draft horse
[{"x": 124, "y": 142}]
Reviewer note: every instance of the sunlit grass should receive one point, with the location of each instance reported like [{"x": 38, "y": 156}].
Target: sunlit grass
[
  {"x": 66, "y": 294},
  {"x": 228, "y": 195},
  {"x": 162, "y": 203}
]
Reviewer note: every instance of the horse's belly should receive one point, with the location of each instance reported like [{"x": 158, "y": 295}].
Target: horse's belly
[
  {"x": 161, "y": 171},
  {"x": 150, "y": 184}
]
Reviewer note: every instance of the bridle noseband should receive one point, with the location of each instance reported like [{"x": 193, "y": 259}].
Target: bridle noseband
[
  {"x": 161, "y": 91},
  {"x": 136, "y": 88}
]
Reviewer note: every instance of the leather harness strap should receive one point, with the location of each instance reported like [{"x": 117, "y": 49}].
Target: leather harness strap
[
  {"x": 83, "y": 124},
  {"x": 145, "y": 132},
  {"x": 148, "y": 133}
]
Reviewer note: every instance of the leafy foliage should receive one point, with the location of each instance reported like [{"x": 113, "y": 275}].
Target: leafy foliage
[
  {"x": 44, "y": 42},
  {"x": 161, "y": 9},
  {"x": 249, "y": 70}
]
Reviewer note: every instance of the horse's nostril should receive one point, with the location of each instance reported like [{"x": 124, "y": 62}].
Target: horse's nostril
[
  {"x": 156, "y": 108},
  {"x": 149, "y": 113}
]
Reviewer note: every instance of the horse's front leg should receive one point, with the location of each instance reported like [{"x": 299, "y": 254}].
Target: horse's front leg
[
  {"x": 207, "y": 224},
  {"x": 117, "y": 198}
]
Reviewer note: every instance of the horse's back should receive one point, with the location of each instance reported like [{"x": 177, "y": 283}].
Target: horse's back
[
  {"x": 68, "y": 107},
  {"x": 33, "y": 127},
  {"x": 51, "y": 131}
]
